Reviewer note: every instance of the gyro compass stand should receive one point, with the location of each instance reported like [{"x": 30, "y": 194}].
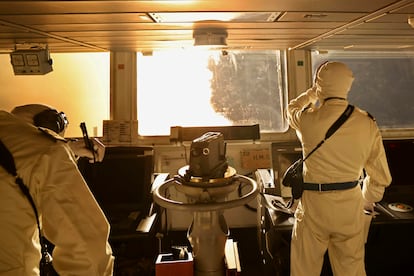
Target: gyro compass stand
[{"x": 207, "y": 198}]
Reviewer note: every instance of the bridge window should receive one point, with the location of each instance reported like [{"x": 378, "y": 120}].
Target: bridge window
[
  {"x": 383, "y": 85},
  {"x": 211, "y": 88}
]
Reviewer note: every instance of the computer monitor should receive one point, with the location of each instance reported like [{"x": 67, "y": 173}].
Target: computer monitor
[
  {"x": 122, "y": 181},
  {"x": 400, "y": 154}
]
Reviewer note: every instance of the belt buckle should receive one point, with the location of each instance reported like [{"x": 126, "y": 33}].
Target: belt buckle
[{"x": 320, "y": 187}]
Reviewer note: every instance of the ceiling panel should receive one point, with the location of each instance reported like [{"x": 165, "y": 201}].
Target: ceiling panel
[
  {"x": 320, "y": 16},
  {"x": 73, "y": 26},
  {"x": 51, "y": 19}
]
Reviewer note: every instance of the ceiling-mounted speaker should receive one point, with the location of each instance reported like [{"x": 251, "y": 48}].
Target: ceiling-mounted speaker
[
  {"x": 210, "y": 37},
  {"x": 31, "y": 62}
]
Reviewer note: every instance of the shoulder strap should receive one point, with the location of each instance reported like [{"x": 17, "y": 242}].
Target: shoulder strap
[
  {"x": 344, "y": 116},
  {"x": 7, "y": 161}
]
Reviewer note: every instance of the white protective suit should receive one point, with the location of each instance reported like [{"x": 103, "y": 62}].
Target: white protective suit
[
  {"x": 334, "y": 220},
  {"x": 70, "y": 217}
]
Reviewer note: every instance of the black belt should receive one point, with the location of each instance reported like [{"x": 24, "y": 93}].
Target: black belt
[{"x": 329, "y": 186}]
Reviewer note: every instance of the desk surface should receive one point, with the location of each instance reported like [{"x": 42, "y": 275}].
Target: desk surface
[{"x": 283, "y": 221}]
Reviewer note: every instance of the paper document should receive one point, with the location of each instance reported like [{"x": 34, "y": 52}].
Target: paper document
[{"x": 146, "y": 223}]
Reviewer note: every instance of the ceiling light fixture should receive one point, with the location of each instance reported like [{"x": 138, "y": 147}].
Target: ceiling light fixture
[
  {"x": 185, "y": 17},
  {"x": 411, "y": 21}
]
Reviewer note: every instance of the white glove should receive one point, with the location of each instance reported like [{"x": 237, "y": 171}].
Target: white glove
[
  {"x": 311, "y": 92},
  {"x": 80, "y": 150},
  {"x": 369, "y": 206}
]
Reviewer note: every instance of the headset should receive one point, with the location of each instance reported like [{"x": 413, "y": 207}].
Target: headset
[{"x": 51, "y": 119}]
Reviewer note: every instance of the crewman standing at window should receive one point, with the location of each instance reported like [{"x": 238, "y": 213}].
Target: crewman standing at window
[{"x": 334, "y": 219}]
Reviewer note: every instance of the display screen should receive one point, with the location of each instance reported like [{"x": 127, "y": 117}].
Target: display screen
[
  {"x": 400, "y": 154},
  {"x": 17, "y": 60},
  {"x": 122, "y": 181},
  {"x": 32, "y": 60}
]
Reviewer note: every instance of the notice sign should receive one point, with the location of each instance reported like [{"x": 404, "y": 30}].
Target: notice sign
[
  {"x": 118, "y": 132},
  {"x": 255, "y": 159}
]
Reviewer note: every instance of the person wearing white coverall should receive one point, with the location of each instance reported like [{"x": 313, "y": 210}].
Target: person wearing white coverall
[
  {"x": 334, "y": 220},
  {"x": 69, "y": 215}
]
